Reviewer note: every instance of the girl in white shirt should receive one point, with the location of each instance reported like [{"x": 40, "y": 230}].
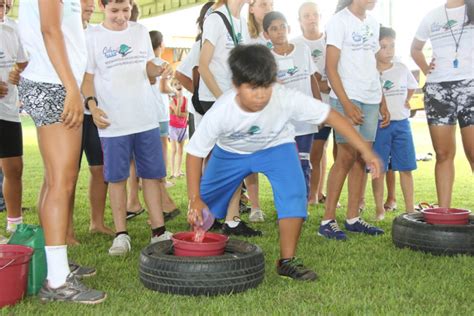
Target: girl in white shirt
[
  {"x": 257, "y": 11},
  {"x": 449, "y": 89}
]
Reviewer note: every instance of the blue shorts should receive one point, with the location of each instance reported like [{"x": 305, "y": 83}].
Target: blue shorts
[
  {"x": 164, "y": 129},
  {"x": 368, "y": 130},
  {"x": 323, "y": 133},
  {"x": 280, "y": 164},
  {"x": 394, "y": 144},
  {"x": 144, "y": 147}
]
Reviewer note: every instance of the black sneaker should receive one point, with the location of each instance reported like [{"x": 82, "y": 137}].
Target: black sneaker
[
  {"x": 81, "y": 271},
  {"x": 216, "y": 225},
  {"x": 294, "y": 269},
  {"x": 240, "y": 230},
  {"x": 170, "y": 215}
]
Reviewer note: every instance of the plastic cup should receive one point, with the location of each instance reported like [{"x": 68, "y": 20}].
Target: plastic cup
[{"x": 207, "y": 219}]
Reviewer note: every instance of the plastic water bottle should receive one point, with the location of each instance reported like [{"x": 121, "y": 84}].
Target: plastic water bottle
[{"x": 200, "y": 230}]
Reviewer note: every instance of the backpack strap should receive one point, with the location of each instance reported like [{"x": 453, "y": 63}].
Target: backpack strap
[{"x": 228, "y": 26}]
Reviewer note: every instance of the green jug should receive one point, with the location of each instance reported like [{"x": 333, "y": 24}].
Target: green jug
[{"x": 32, "y": 236}]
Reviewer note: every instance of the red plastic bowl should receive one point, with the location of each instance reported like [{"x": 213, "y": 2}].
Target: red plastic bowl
[
  {"x": 212, "y": 245},
  {"x": 446, "y": 216}
]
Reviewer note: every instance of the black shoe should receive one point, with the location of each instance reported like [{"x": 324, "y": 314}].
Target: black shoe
[
  {"x": 295, "y": 270},
  {"x": 172, "y": 214},
  {"x": 216, "y": 226},
  {"x": 240, "y": 230},
  {"x": 131, "y": 214}
]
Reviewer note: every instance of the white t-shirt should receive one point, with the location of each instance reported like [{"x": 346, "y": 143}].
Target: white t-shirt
[
  {"x": 216, "y": 33},
  {"x": 358, "y": 42},
  {"x": 396, "y": 82},
  {"x": 39, "y": 67},
  {"x": 238, "y": 131},
  {"x": 11, "y": 52},
  {"x": 294, "y": 72},
  {"x": 162, "y": 106},
  {"x": 118, "y": 59},
  {"x": 260, "y": 39},
  {"x": 190, "y": 61},
  {"x": 436, "y": 28}
]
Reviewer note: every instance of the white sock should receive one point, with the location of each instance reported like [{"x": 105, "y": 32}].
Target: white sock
[
  {"x": 13, "y": 222},
  {"x": 326, "y": 222},
  {"x": 58, "y": 266},
  {"x": 352, "y": 221},
  {"x": 232, "y": 224}
]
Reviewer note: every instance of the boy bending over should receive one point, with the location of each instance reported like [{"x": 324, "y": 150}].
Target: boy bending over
[{"x": 249, "y": 131}]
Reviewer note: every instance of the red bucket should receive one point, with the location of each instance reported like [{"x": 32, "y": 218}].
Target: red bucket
[
  {"x": 14, "y": 261},
  {"x": 212, "y": 245},
  {"x": 446, "y": 216}
]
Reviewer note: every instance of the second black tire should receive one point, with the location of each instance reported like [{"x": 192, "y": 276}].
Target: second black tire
[
  {"x": 411, "y": 231},
  {"x": 240, "y": 268}
]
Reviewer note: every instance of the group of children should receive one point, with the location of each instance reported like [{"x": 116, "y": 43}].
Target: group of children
[{"x": 258, "y": 100}]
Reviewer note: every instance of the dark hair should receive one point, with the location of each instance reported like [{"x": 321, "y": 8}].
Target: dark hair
[
  {"x": 270, "y": 17},
  {"x": 106, "y": 2},
  {"x": 253, "y": 64},
  {"x": 156, "y": 39},
  {"x": 135, "y": 13},
  {"x": 342, "y": 4},
  {"x": 202, "y": 16},
  {"x": 470, "y": 11},
  {"x": 387, "y": 32}
]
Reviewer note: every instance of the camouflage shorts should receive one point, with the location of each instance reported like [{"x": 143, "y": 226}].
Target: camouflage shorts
[{"x": 446, "y": 103}]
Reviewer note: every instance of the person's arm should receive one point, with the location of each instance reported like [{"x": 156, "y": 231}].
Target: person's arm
[
  {"x": 315, "y": 87},
  {"x": 419, "y": 57},
  {"x": 207, "y": 52},
  {"x": 88, "y": 90},
  {"x": 173, "y": 108},
  {"x": 323, "y": 84},
  {"x": 153, "y": 70},
  {"x": 409, "y": 96},
  {"x": 14, "y": 75},
  {"x": 384, "y": 113},
  {"x": 342, "y": 126},
  {"x": 186, "y": 82},
  {"x": 193, "y": 178},
  {"x": 50, "y": 21},
  {"x": 332, "y": 61}
]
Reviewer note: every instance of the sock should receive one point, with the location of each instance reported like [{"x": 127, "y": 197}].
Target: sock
[
  {"x": 121, "y": 233},
  {"x": 326, "y": 222},
  {"x": 352, "y": 221},
  {"x": 58, "y": 266},
  {"x": 156, "y": 232},
  {"x": 13, "y": 222},
  {"x": 232, "y": 224}
]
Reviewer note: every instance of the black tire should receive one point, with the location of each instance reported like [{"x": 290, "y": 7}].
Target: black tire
[
  {"x": 240, "y": 268},
  {"x": 410, "y": 230}
]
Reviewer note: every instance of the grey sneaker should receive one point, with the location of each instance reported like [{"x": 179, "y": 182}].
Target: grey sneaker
[
  {"x": 72, "y": 291},
  {"x": 81, "y": 271},
  {"x": 121, "y": 245},
  {"x": 256, "y": 216},
  {"x": 165, "y": 236}
]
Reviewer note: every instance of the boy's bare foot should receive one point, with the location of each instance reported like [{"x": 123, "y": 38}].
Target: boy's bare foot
[
  {"x": 72, "y": 241},
  {"x": 101, "y": 229}
]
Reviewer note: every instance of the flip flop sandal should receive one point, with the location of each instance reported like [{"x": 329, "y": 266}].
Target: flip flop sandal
[
  {"x": 390, "y": 208},
  {"x": 170, "y": 215},
  {"x": 131, "y": 214}
]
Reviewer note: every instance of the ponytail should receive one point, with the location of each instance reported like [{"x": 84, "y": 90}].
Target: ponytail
[
  {"x": 202, "y": 16},
  {"x": 342, "y": 4},
  {"x": 469, "y": 11}
]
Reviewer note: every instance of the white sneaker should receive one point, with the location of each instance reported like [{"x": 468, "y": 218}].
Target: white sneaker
[
  {"x": 256, "y": 216},
  {"x": 165, "y": 236},
  {"x": 121, "y": 245}
]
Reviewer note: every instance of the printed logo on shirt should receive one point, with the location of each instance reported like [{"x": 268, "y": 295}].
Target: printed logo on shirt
[
  {"x": 450, "y": 24},
  {"x": 240, "y": 39},
  {"x": 317, "y": 53},
  {"x": 356, "y": 37},
  {"x": 293, "y": 71},
  {"x": 123, "y": 50},
  {"x": 388, "y": 85},
  {"x": 367, "y": 33},
  {"x": 288, "y": 72},
  {"x": 269, "y": 45},
  {"x": 254, "y": 130}
]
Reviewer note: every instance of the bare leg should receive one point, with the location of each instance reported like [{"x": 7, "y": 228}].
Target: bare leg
[
  {"x": 318, "y": 151},
  {"x": 406, "y": 182},
  {"x": 252, "y": 188},
  {"x": 179, "y": 159},
  {"x": 233, "y": 209},
  {"x": 362, "y": 193},
  {"x": 467, "y": 134},
  {"x": 322, "y": 179},
  {"x": 357, "y": 181},
  {"x": 118, "y": 202},
  {"x": 151, "y": 193},
  {"x": 378, "y": 188},
  {"x": 346, "y": 156},
  {"x": 164, "y": 146},
  {"x": 97, "y": 198},
  {"x": 391, "y": 194},
  {"x": 12, "y": 185},
  {"x": 290, "y": 229},
  {"x": 133, "y": 200},
  {"x": 71, "y": 239},
  {"x": 174, "y": 172},
  {"x": 444, "y": 143},
  {"x": 167, "y": 202}
]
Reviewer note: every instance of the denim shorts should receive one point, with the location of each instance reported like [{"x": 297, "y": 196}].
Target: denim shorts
[
  {"x": 164, "y": 129},
  {"x": 368, "y": 130},
  {"x": 144, "y": 147}
]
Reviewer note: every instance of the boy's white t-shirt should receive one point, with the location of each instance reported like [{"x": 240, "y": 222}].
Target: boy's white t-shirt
[
  {"x": 358, "y": 42},
  {"x": 40, "y": 68},
  {"x": 241, "y": 132},
  {"x": 396, "y": 82},
  {"x": 11, "y": 52},
  {"x": 118, "y": 59},
  {"x": 294, "y": 72},
  {"x": 216, "y": 33},
  {"x": 436, "y": 28}
]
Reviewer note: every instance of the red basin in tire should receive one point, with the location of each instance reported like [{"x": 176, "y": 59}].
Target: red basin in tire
[
  {"x": 212, "y": 245},
  {"x": 446, "y": 216}
]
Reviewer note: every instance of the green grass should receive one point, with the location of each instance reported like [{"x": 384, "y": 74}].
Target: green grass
[{"x": 364, "y": 275}]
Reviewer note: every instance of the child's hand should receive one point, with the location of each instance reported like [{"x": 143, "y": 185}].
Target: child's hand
[
  {"x": 373, "y": 163},
  {"x": 407, "y": 104},
  {"x": 14, "y": 75},
  {"x": 354, "y": 113},
  {"x": 167, "y": 71},
  {"x": 430, "y": 68},
  {"x": 73, "y": 113},
  {"x": 3, "y": 89},
  {"x": 195, "y": 212},
  {"x": 385, "y": 116},
  {"x": 100, "y": 118}
]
